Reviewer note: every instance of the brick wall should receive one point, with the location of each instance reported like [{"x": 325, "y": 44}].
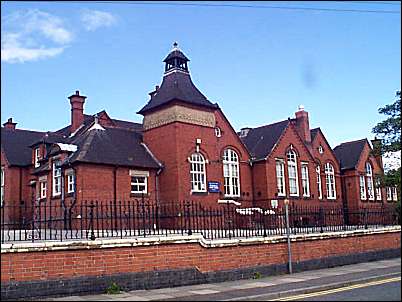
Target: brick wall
[{"x": 87, "y": 261}]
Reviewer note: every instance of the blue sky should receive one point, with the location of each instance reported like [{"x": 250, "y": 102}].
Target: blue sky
[{"x": 258, "y": 64}]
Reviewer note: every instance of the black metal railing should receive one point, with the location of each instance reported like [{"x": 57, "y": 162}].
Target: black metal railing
[{"x": 102, "y": 219}]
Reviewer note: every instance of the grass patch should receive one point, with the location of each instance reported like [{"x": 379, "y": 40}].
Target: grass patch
[
  {"x": 257, "y": 275},
  {"x": 113, "y": 289}
]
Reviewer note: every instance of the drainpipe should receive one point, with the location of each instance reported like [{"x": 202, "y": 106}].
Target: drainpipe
[
  {"x": 20, "y": 197},
  {"x": 252, "y": 183},
  {"x": 115, "y": 194},
  {"x": 157, "y": 185}
]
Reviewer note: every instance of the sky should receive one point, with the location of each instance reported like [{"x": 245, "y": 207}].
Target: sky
[{"x": 259, "y": 64}]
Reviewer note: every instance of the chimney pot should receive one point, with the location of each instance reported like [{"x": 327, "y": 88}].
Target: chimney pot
[
  {"x": 10, "y": 124},
  {"x": 77, "y": 92}
]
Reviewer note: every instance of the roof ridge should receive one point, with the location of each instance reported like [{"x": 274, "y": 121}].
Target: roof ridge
[
  {"x": 355, "y": 141},
  {"x": 19, "y": 129},
  {"x": 259, "y": 127}
]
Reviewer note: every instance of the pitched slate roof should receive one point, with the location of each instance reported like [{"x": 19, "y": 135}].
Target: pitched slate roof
[
  {"x": 112, "y": 146},
  {"x": 348, "y": 154},
  {"x": 15, "y": 144},
  {"x": 89, "y": 119},
  {"x": 261, "y": 140},
  {"x": 177, "y": 85},
  {"x": 50, "y": 138}
]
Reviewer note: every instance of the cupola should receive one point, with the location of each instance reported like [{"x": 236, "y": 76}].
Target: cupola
[{"x": 176, "y": 60}]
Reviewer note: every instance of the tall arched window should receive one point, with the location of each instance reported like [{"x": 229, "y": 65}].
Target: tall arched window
[
  {"x": 231, "y": 173},
  {"x": 369, "y": 175},
  {"x": 197, "y": 173},
  {"x": 330, "y": 181},
  {"x": 318, "y": 170},
  {"x": 292, "y": 173}
]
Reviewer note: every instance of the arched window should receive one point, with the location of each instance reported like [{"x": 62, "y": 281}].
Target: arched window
[
  {"x": 231, "y": 173},
  {"x": 369, "y": 175},
  {"x": 330, "y": 181},
  {"x": 318, "y": 170},
  {"x": 292, "y": 171},
  {"x": 197, "y": 173}
]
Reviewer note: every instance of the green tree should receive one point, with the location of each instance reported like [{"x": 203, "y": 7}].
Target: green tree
[{"x": 389, "y": 131}]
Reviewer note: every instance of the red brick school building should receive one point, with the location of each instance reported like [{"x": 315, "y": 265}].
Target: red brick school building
[{"x": 186, "y": 149}]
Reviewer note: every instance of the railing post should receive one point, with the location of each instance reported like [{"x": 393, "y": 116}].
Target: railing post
[
  {"x": 286, "y": 201},
  {"x": 143, "y": 214},
  {"x": 188, "y": 220},
  {"x": 91, "y": 218},
  {"x": 321, "y": 220},
  {"x": 365, "y": 218}
]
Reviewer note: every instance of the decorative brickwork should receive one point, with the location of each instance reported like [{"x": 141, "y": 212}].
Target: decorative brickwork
[{"x": 177, "y": 113}]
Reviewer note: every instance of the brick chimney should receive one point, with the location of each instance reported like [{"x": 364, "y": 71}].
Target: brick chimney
[
  {"x": 9, "y": 124},
  {"x": 302, "y": 124},
  {"x": 77, "y": 110},
  {"x": 377, "y": 150}
]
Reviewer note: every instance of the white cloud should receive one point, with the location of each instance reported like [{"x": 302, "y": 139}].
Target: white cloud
[
  {"x": 32, "y": 35},
  {"x": 94, "y": 19}
]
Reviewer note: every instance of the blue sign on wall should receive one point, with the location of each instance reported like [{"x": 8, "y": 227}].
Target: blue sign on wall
[{"x": 213, "y": 186}]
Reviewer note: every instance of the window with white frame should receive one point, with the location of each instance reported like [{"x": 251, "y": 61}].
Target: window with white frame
[
  {"x": 389, "y": 193},
  {"x": 231, "y": 173},
  {"x": 280, "y": 177},
  {"x": 197, "y": 173},
  {"x": 139, "y": 181},
  {"x": 305, "y": 180},
  {"x": 292, "y": 171},
  {"x": 318, "y": 171},
  {"x": 2, "y": 186},
  {"x": 330, "y": 181},
  {"x": 362, "y": 188},
  {"x": 394, "y": 194},
  {"x": 37, "y": 157},
  {"x": 56, "y": 178},
  {"x": 369, "y": 175},
  {"x": 70, "y": 181},
  {"x": 378, "y": 189},
  {"x": 42, "y": 189}
]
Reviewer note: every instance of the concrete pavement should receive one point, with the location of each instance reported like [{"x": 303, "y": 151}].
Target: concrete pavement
[{"x": 264, "y": 288}]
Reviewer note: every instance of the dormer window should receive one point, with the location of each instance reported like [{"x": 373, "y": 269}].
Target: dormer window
[{"x": 37, "y": 157}]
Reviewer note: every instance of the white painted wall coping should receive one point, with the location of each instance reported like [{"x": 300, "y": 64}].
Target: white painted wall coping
[{"x": 182, "y": 239}]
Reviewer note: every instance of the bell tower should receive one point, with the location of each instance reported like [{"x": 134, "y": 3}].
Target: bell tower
[
  {"x": 176, "y": 60},
  {"x": 173, "y": 116}
]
